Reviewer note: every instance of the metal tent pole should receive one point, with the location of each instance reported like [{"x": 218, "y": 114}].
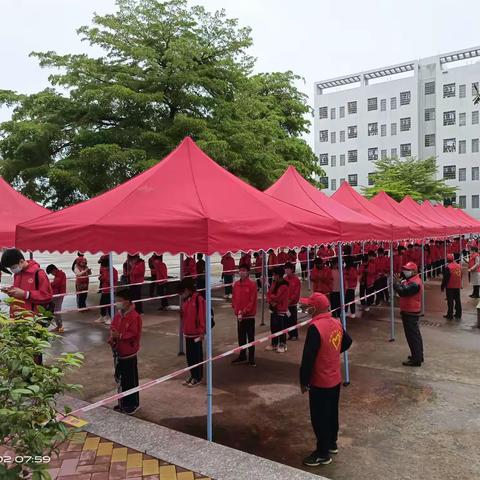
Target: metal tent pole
[
  {"x": 392, "y": 297},
  {"x": 208, "y": 286},
  {"x": 445, "y": 251},
  {"x": 423, "y": 276},
  {"x": 342, "y": 311},
  {"x": 264, "y": 280},
  {"x": 308, "y": 269},
  {"x": 181, "y": 351},
  {"x": 112, "y": 286}
]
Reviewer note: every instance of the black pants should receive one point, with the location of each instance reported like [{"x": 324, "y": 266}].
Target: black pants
[
  {"x": 456, "y": 256},
  {"x": 126, "y": 373},
  {"x": 292, "y": 320},
  {"x": 303, "y": 267},
  {"x": 350, "y": 297},
  {"x": 364, "y": 290},
  {"x": 161, "y": 291},
  {"x": 194, "y": 355},
  {"x": 382, "y": 296},
  {"x": 453, "y": 298},
  {"x": 201, "y": 285},
  {"x": 228, "y": 280},
  {"x": 136, "y": 294},
  {"x": 277, "y": 323},
  {"x": 258, "y": 276},
  {"x": 82, "y": 300},
  {"x": 270, "y": 277},
  {"x": 335, "y": 304},
  {"x": 476, "y": 291},
  {"x": 246, "y": 334},
  {"x": 413, "y": 335},
  {"x": 324, "y": 417},
  {"x": 104, "y": 300},
  {"x": 152, "y": 287}
]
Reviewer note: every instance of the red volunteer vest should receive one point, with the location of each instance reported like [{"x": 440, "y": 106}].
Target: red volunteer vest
[
  {"x": 326, "y": 370},
  {"x": 455, "y": 280},
  {"x": 413, "y": 303}
]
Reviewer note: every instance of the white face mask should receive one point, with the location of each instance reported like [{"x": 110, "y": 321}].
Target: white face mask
[
  {"x": 16, "y": 269},
  {"x": 243, "y": 274},
  {"x": 407, "y": 273}
]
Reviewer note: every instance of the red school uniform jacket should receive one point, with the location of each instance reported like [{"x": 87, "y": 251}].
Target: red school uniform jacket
[
  {"x": 322, "y": 279},
  {"x": 244, "y": 298},
  {"x": 228, "y": 265},
  {"x": 294, "y": 287},
  {"x": 161, "y": 272},
  {"x": 129, "y": 326},
  {"x": 189, "y": 267},
  {"x": 59, "y": 283},
  {"x": 258, "y": 264},
  {"x": 278, "y": 299},
  {"x": 136, "y": 271},
  {"x": 351, "y": 278},
  {"x": 193, "y": 315},
  {"x": 282, "y": 257},
  {"x": 382, "y": 264},
  {"x": 104, "y": 279}
]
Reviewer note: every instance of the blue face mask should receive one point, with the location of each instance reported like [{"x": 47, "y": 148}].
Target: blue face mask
[{"x": 16, "y": 269}]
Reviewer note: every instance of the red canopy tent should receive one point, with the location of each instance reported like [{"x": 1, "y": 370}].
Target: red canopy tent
[
  {"x": 458, "y": 212},
  {"x": 461, "y": 225},
  {"x": 402, "y": 228},
  {"x": 291, "y": 187},
  {"x": 186, "y": 203},
  {"x": 15, "y": 209},
  {"x": 429, "y": 227}
]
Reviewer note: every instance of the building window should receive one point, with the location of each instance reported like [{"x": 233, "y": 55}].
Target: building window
[
  {"x": 383, "y": 104},
  {"x": 393, "y": 153},
  {"x": 333, "y": 184},
  {"x": 429, "y": 114},
  {"x": 342, "y": 180},
  {"x": 405, "y": 98},
  {"x": 333, "y": 137},
  {"x": 462, "y": 174},
  {"x": 475, "y": 117},
  {"x": 342, "y": 135},
  {"x": 333, "y": 160},
  {"x": 475, "y": 201},
  {"x": 332, "y": 114},
  {"x": 383, "y": 130},
  {"x": 323, "y": 112},
  {"x": 352, "y": 131},
  {"x": 474, "y": 89},
  {"x": 342, "y": 160},
  {"x": 429, "y": 88},
  {"x": 372, "y": 104},
  {"x": 323, "y": 157},
  {"x": 323, "y": 182},
  {"x": 430, "y": 140},
  {"x": 462, "y": 146},
  {"x": 475, "y": 173},
  {"x": 352, "y": 156},
  {"x": 462, "y": 201},
  {"x": 372, "y": 129},
  {"x": 405, "y": 149},
  {"x": 352, "y": 107},
  {"x": 353, "y": 179},
  {"x": 449, "y": 145},
  {"x": 462, "y": 119},
  {"x": 323, "y": 135},
  {"x": 449, "y": 118},
  {"x": 448, "y": 90},
  {"x": 373, "y": 154},
  {"x": 462, "y": 91},
  {"x": 393, "y": 103},
  {"x": 393, "y": 129},
  {"x": 475, "y": 145},
  {"x": 449, "y": 172},
  {"x": 371, "y": 178},
  {"x": 342, "y": 112},
  {"x": 383, "y": 154},
  {"x": 405, "y": 124}
]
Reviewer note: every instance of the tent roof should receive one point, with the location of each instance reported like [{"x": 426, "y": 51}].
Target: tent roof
[
  {"x": 453, "y": 226},
  {"x": 14, "y": 209},
  {"x": 464, "y": 215},
  {"x": 186, "y": 203},
  {"x": 402, "y": 228},
  {"x": 291, "y": 187},
  {"x": 463, "y": 222}
]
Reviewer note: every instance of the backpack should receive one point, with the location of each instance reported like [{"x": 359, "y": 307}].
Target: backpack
[{"x": 197, "y": 308}]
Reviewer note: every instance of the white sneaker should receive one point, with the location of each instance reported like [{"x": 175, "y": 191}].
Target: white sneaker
[
  {"x": 108, "y": 321},
  {"x": 352, "y": 315},
  {"x": 270, "y": 348},
  {"x": 281, "y": 349},
  {"x": 100, "y": 319},
  {"x": 366, "y": 309}
]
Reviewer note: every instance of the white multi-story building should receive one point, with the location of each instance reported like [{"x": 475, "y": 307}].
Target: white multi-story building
[{"x": 419, "y": 108}]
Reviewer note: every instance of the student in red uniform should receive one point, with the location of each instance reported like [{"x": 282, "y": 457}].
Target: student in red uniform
[
  {"x": 82, "y": 281},
  {"x": 370, "y": 274},
  {"x": 351, "y": 280},
  {"x": 321, "y": 277},
  {"x": 293, "y": 297},
  {"x": 189, "y": 267},
  {"x": 474, "y": 271},
  {"x": 59, "y": 287},
  {"x": 335, "y": 292},
  {"x": 161, "y": 272},
  {"x": 382, "y": 263},
  {"x": 194, "y": 328},
  {"x": 104, "y": 279},
  {"x": 302, "y": 257},
  {"x": 135, "y": 274},
  {"x": 246, "y": 259},
  {"x": 292, "y": 257},
  {"x": 272, "y": 262},
  {"x": 320, "y": 375},
  {"x": 282, "y": 256},
  {"x": 200, "y": 271},
  {"x": 258, "y": 268},
  {"x": 277, "y": 298},
  {"x": 322, "y": 252},
  {"x": 452, "y": 283},
  {"x": 151, "y": 266},
  {"x": 125, "y": 334},
  {"x": 228, "y": 274},
  {"x": 244, "y": 304}
]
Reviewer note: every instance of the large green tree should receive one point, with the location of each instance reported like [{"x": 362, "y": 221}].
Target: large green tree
[
  {"x": 417, "y": 178},
  {"x": 167, "y": 70}
]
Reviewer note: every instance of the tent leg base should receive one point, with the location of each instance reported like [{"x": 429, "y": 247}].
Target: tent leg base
[
  {"x": 392, "y": 340},
  {"x": 180, "y": 354},
  {"x": 346, "y": 384}
]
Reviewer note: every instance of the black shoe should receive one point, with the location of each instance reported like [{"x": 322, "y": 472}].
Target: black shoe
[
  {"x": 239, "y": 361},
  {"x": 251, "y": 363},
  {"x": 333, "y": 449},
  {"x": 314, "y": 460},
  {"x": 118, "y": 408},
  {"x": 411, "y": 358},
  {"x": 411, "y": 363},
  {"x": 293, "y": 339},
  {"x": 448, "y": 317},
  {"x": 133, "y": 411},
  {"x": 458, "y": 318}
]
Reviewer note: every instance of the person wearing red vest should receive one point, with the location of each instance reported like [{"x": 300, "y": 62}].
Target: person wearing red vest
[
  {"x": 125, "y": 333},
  {"x": 59, "y": 287},
  {"x": 351, "y": 280},
  {"x": 294, "y": 288},
  {"x": 452, "y": 283},
  {"x": 321, "y": 276},
  {"x": 277, "y": 297},
  {"x": 320, "y": 375},
  {"x": 382, "y": 264},
  {"x": 104, "y": 279},
  {"x": 410, "y": 292},
  {"x": 474, "y": 271},
  {"x": 193, "y": 314},
  {"x": 244, "y": 304}
]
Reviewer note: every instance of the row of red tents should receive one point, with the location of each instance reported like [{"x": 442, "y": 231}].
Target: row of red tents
[{"x": 188, "y": 203}]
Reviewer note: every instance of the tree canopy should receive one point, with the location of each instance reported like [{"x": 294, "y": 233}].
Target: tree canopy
[
  {"x": 168, "y": 70},
  {"x": 413, "y": 177}
]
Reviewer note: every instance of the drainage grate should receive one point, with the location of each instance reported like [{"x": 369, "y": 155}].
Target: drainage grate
[{"x": 425, "y": 323}]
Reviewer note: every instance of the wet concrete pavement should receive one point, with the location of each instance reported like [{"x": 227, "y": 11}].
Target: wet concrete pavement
[{"x": 397, "y": 423}]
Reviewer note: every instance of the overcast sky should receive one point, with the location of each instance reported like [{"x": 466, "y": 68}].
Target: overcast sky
[{"x": 317, "y": 39}]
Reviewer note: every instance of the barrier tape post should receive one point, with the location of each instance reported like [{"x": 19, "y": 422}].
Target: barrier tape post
[
  {"x": 112, "y": 286},
  {"x": 423, "y": 276},
  {"x": 264, "y": 280},
  {"x": 392, "y": 298},
  {"x": 208, "y": 292},
  {"x": 342, "y": 311},
  {"x": 308, "y": 269},
  {"x": 180, "y": 322},
  {"x": 445, "y": 252}
]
